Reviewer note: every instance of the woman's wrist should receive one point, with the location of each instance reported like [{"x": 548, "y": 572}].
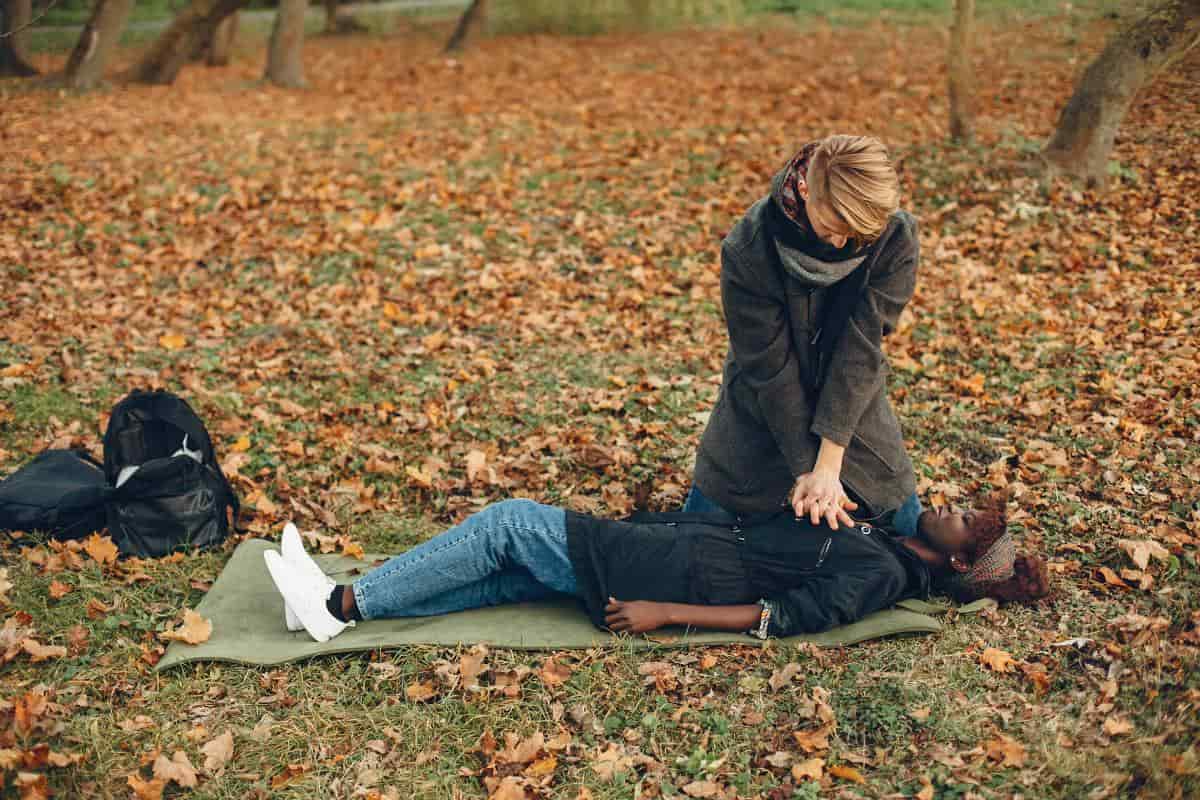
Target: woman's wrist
[{"x": 829, "y": 458}]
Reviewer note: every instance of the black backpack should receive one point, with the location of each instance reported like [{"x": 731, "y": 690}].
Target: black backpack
[
  {"x": 62, "y": 492},
  {"x": 167, "y": 491}
]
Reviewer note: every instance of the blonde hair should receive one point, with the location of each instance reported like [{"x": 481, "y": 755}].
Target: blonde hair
[{"x": 853, "y": 176}]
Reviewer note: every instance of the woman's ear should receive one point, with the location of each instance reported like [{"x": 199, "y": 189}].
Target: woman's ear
[
  {"x": 804, "y": 191},
  {"x": 959, "y": 563}
]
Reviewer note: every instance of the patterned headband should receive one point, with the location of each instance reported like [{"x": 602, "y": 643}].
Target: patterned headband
[{"x": 994, "y": 566}]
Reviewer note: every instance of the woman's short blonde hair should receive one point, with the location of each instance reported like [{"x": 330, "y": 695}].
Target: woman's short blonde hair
[{"x": 853, "y": 176}]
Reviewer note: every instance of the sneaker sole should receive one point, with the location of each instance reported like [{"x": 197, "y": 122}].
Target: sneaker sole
[{"x": 316, "y": 626}]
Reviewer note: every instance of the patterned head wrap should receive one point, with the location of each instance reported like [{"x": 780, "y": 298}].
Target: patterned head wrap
[
  {"x": 994, "y": 566},
  {"x": 789, "y": 194}
]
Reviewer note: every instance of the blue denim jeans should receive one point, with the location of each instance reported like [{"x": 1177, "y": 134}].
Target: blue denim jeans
[
  {"x": 511, "y": 552},
  {"x": 903, "y": 520}
]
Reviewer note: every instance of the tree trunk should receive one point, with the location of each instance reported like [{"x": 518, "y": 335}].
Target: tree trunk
[
  {"x": 467, "y": 24},
  {"x": 331, "y": 23},
  {"x": 15, "y": 15},
  {"x": 285, "y": 63},
  {"x": 961, "y": 77},
  {"x": 85, "y": 68},
  {"x": 221, "y": 46},
  {"x": 191, "y": 28},
  {"x": 1083, "y": 140}
]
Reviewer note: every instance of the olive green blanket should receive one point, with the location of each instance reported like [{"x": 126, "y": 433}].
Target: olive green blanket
[{"x": 247, "y": 622}]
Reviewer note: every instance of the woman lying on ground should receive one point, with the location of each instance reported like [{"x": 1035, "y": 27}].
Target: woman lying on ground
[{"x": 774, "y": 576}]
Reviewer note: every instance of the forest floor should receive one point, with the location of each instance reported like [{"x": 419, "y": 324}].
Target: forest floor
[{"x": 426, "y": 284}]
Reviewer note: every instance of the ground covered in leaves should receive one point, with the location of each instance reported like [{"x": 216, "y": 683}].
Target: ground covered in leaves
[{"x": 426, "y": 284}]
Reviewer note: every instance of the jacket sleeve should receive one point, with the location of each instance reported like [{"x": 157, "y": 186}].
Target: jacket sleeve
[
  {"x": 857, "y": 368},
  {"x": 827, "y": 601},
  {"x": 761, "y": 338}
]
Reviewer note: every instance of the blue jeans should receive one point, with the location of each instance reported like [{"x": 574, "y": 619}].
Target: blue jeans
[
  {"x": 511, "y": 552},
  {"x": 903, "y": 520}
]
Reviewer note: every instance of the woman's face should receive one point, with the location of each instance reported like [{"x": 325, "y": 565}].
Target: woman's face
[
  {"x": 947, "y": 531},
  {"x": 825, "y": 222}
]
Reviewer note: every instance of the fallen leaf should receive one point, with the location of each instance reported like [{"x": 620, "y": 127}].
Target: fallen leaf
[
  {"x": 470, "y": 665},
  {"x": 420, "y": 692},
  {"x": 137, "y": 723},
  {"x": 178, "y": 768},
  {"x": 702, "y": 789},
  {"x": 419, "y": 477},
  {"x": 509, "y": 789},
  {"x": 100, "y": 548},
  {"x": 847, "y": 774},
  {"x": 997, "y": 660},
  {"x": 58, "y": 590},
  {"x": 146, "y": 790},
  {"x": 194, "y": 629},
  {"x": 1036, "y": 674},
  {"x": 5, "y": 585},
  {"x": 32, "y": 786},
  {"x": 553, "y": 673},
  {"x": 1141, "y": 551},
  {"x": 1005, "y": 750},
  {"x": 815, "y": 740},
  {"x": 290, "y": 773},
  {"x": 542, "y": 767},
  {"x": 1117, "y": 726},
  {"x": 41, "y": 652},
  {"x": 812, "y": 769},
  {"x": 779, "y": 759},
  {"x": 1111, "y": 578},
  {"x": 241, "y": 445},
  {"x": 783, "y": 676},
  {"x": 217, "y": 752},
  {"x": 172, "y": 341},
  {"x": 920, "y": 714},
  {"x": 521, "y": 751},
  {"x": 476, "y": 466}
]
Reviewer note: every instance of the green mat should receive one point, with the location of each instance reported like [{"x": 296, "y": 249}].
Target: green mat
[{"x": 247, "y": 618}]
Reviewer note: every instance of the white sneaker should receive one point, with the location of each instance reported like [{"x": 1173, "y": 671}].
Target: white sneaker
[
  {"x": 292, "y": 547},
  {"x": 305, "y": 596}
]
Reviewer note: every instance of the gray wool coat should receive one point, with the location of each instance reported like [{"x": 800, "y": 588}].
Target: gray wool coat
[{"x": 767, "y": 425}]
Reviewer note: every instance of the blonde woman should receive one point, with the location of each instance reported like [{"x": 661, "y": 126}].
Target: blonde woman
[{"x": 813, "y": 277}]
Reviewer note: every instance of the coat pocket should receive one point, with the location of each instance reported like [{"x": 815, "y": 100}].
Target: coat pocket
[{"x": 890, "y": 457}]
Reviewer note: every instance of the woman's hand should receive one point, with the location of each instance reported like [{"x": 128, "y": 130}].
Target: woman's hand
[
  {"x": 819, "y": 495},
  {"x": 636, "y": 616}
]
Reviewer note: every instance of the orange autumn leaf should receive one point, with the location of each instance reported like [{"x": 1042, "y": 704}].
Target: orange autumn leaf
[
  {"x": 997, "y": 660},
  {"x": 59, "y": 590},
  {"x": 100, "y": 548},
  {"x": 812, "y": 769},
  {"x": 290, "y": 773},
  {"x": 194, "y": 629},
  {"x": 420, "y": 692},
  {"x": 172, "y": 341},
  {"x": 146, "y": 789},
  {"x": 847, "y": 774},
  {"x": 1005, "y": 750},
  {"x": 542, "y": 767},
  {"x": 553, "y": 673},
  {"x": 1117, "y": 726}
]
